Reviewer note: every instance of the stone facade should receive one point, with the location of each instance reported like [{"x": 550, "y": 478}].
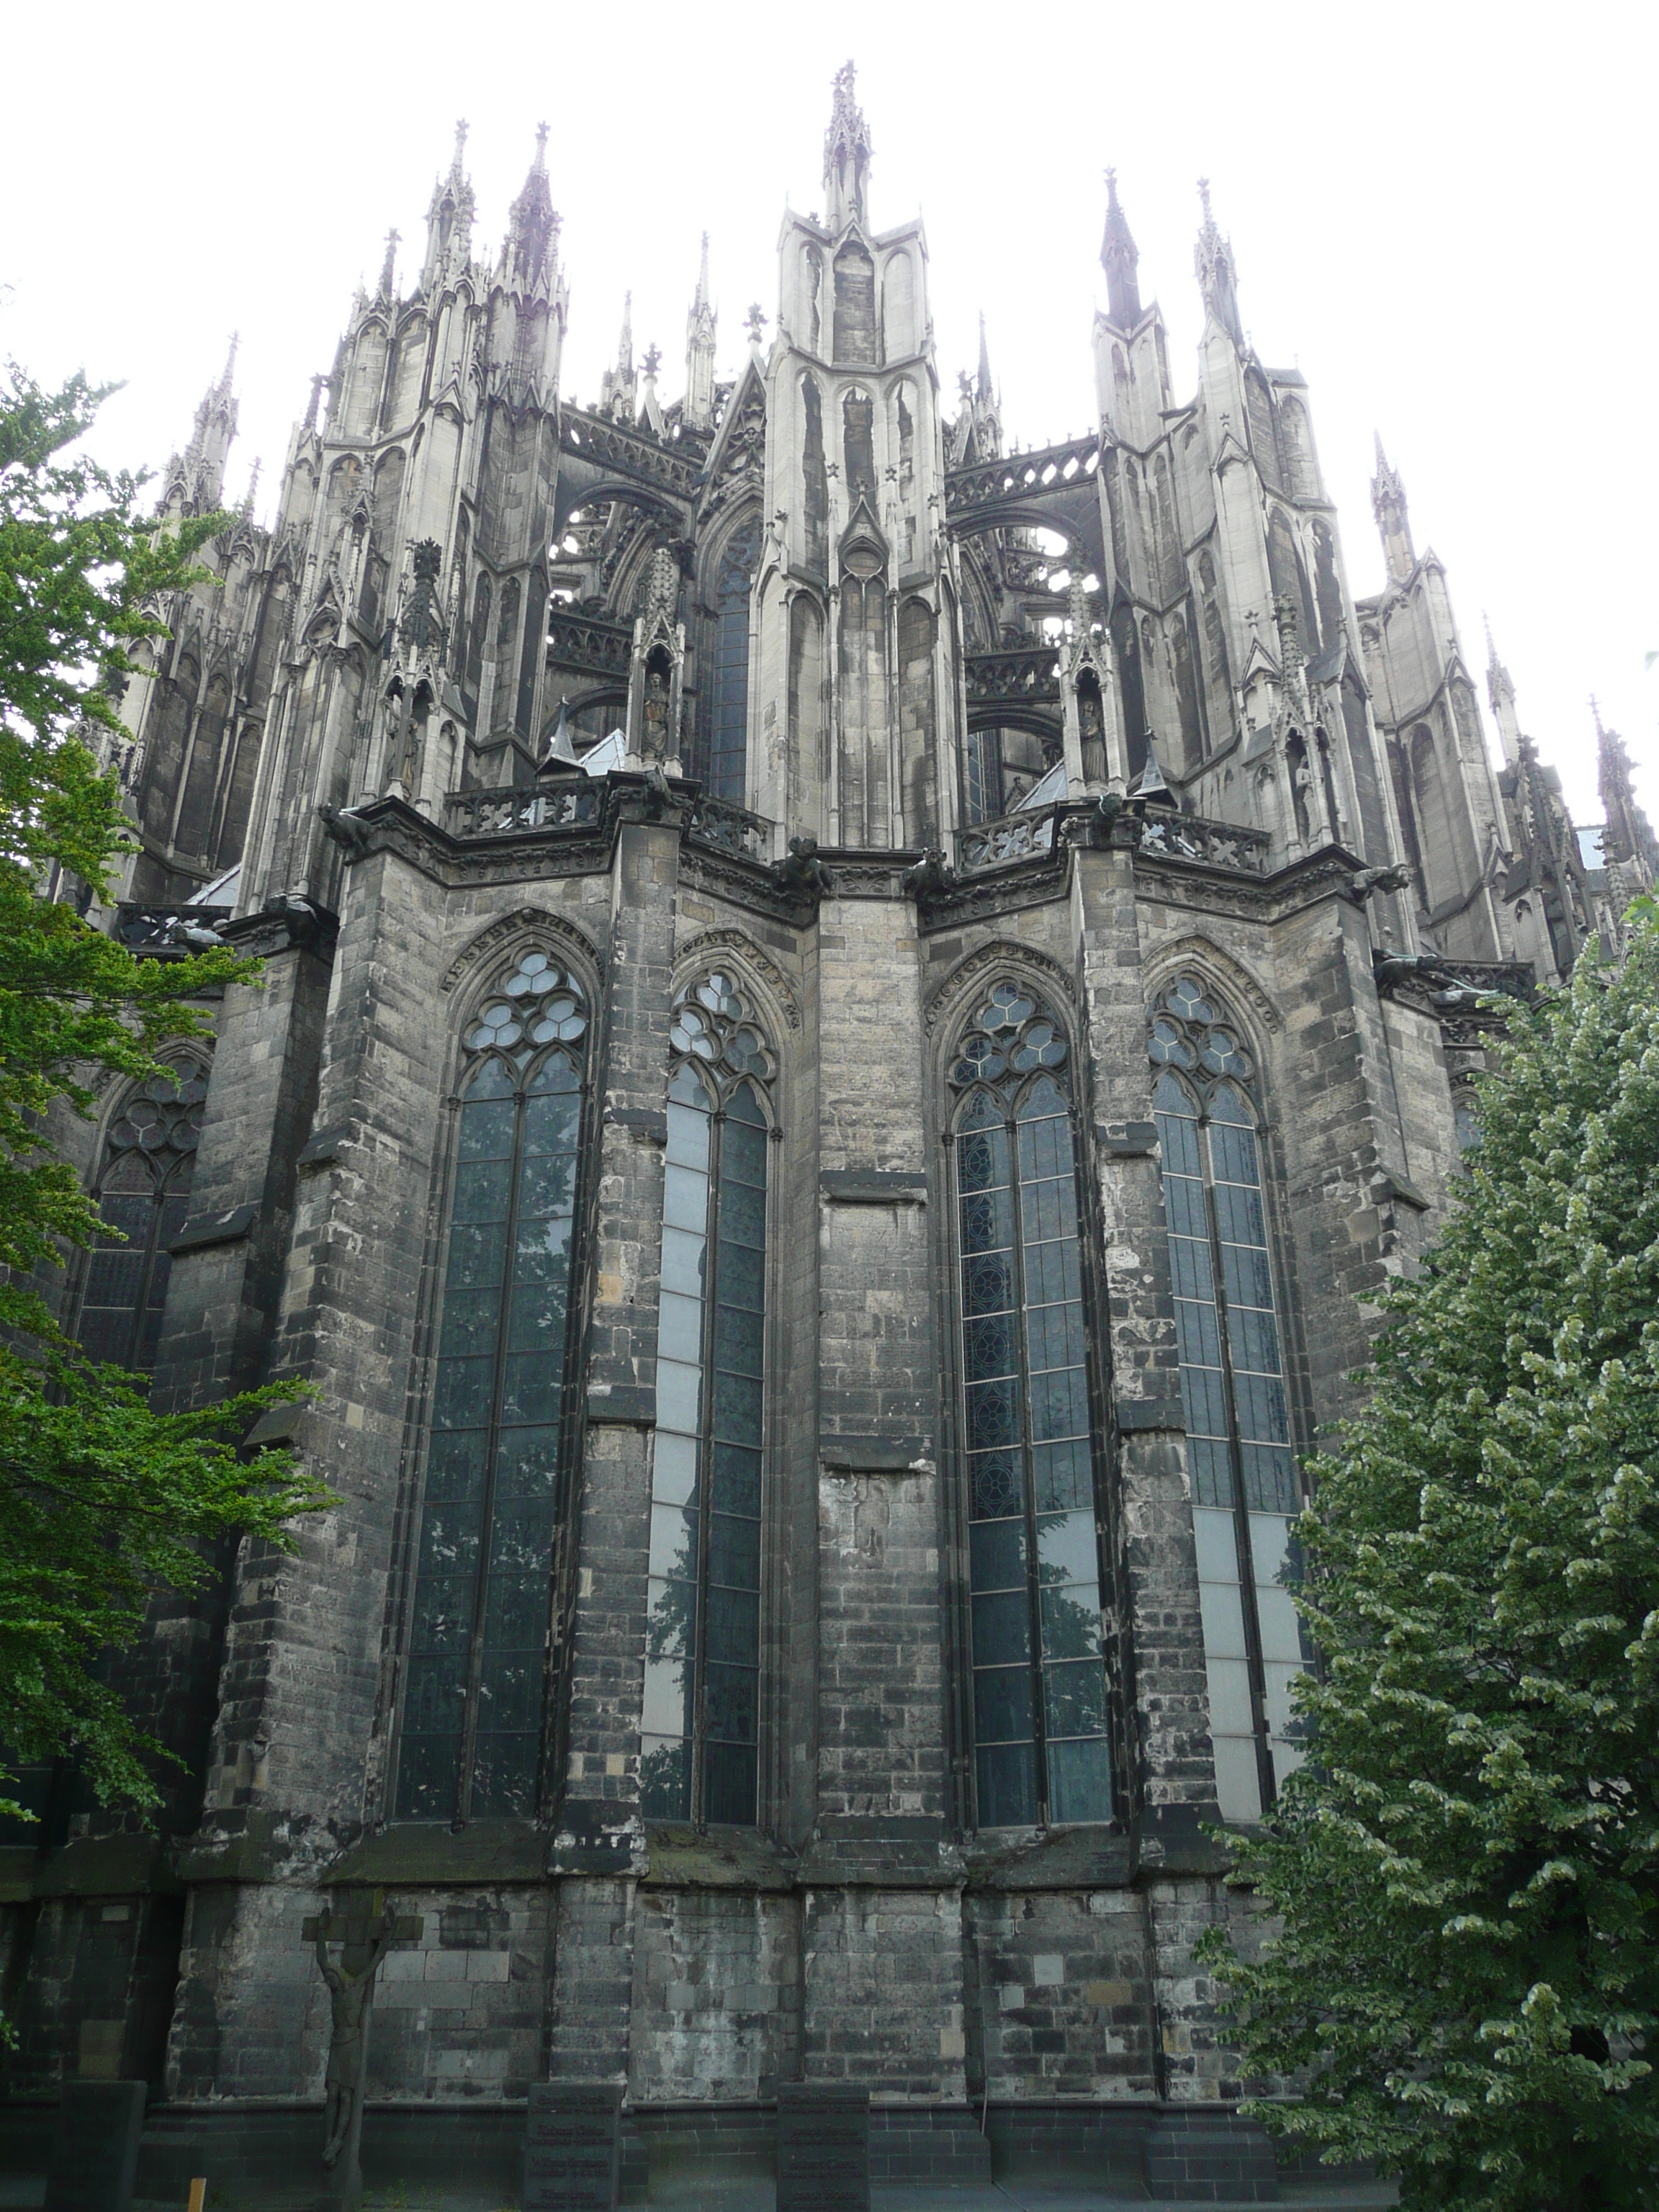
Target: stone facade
[{"x": 515, "y": 727}]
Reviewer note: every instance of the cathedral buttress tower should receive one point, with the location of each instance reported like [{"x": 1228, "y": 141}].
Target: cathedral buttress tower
[{"x": 856, "y": 698}]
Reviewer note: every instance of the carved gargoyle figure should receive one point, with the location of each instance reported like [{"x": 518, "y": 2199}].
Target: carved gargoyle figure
[
  {"x": 801, "y": 871},
  {"x": 349, "y": 1994},
  {"x": 346, "y": 827},
  {"x": 931, "y": 874},
  {"x": 1108, "y": 808},
  {"x": 1391, "y": 968},
  {"x": 1367, "y": 880}
]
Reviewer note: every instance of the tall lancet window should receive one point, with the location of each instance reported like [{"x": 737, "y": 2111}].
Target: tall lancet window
[
  {"x": 1041, "y": 1748},
  {"x": 700, "y": 1749},
  {"x": 1245, "y": 1492},
  {"x": 723, "y": 703},
  {"x": 475, "y": 1697}
]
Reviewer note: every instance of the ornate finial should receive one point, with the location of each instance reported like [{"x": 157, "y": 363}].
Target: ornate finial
[
  {"x": 317, "y": 384},
  {"x": 845, "y": 108},
  {"x": 230, "y": 361},
  {"x": 460, "y": 142},
  {"x": 1118, "y": 256},
  {"x": 965, "y": 384},
  {"x": 252, "y": 493},
  {"x": 1204, "y": 198},
  {"x": 541, "y": 145},
  {"x": 846, "y": 151},
  {"x": 653, "y": 360},
  {"x": 392, "y": 238},
  {"x": 754, "y": 324},
  {"x": 1595, "y": 712}
]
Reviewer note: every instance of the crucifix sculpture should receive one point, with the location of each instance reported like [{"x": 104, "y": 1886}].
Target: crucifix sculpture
[{"x": 369, "y": 1929}]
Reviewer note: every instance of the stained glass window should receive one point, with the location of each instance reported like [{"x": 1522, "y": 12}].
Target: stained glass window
[
  {"x": 700, "y": 1748},
  {"x": 1239, "y": 1452},
  {"x": 144, "y": 1199},
  {"x": 1041, "y": 1750},
  {"x": 476, "y": 1691}
]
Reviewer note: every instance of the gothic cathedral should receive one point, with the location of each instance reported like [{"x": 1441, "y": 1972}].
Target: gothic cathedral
[{"x": 854, "y": 1016}]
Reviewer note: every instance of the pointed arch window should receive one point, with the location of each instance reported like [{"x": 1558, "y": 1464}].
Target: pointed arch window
[
  {"x": 475, "y": 1697},
  {"x": 143, "y": 1199},
  {"x": 1240, "y": 1456},
  {"x": 699, "y": 1754},
  {"x": 723, "y": 702},
  {"x": 1041, "y": 1751}
]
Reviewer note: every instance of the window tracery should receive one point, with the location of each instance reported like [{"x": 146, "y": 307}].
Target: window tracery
[
  {"x": 701, "y": 1743},
  {"x": 1239, "y": 1451},
  {"x": 476, "y": 1692},
  {"x": 1040, "y": 1728}
]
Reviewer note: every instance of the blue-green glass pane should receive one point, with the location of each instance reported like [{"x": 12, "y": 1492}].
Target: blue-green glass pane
[
  {"x": 477, "y": 1255},
  {"x": 1080, "y": 1780},
  {"x": 527, "y": 1464},
  {"x": 520, "y": 1537},
  {"x": 734, "y": 1626},
  {"x": 743, "y": 1213},
  {"x": 461, "y": 1398},
  {"x": 993, "y": 1414},
  {"x": 1070, "y": 1621},
  {"x": 987, "y": 1284},
  {"x": 987, "y": 1221},
  {"x": 442, "y": 1623},
  {"x": 428, "y": 1776},
  {"x": 737, "y": 1473},
  {"x": 1006, "y": 1777},
  {"x": 487, "y": 1128},
  {"x": 665, "y": 1778},
  {"x": 470, "y": 1320},
  {"x": 729, "y": 1785},
  {"x": 739, "y": 1337},
  {"x": 483, "y": 1188},
  {"x": 734, "y": 1551},
  {"x": 1075, "y": 1697},
  {"x": 1064, "y": 1477},
  {"x": 990, "y": 1347},
  {"x": 1002, "y": 1704},
  {"x": 731, "y": 1697},
  {"x": 504, "y": 1774},
  {"x": 516, "y": 1612},
  {"x": 742, "y": 1276},
  {"x": 455, "y": 1465},
  {"x": 531, "y": 1385},
  {"x": 449, "y": 1536},
  {"x": 996, "y": 1484},
  {"x": 1002, "y": 1628},
  {"x": 996, "y": 1553}
]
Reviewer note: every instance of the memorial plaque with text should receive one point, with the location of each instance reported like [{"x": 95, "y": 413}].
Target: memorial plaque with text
[
  {"x": 823, "y": 2148},
  {"x": 572, "y": 2147}
]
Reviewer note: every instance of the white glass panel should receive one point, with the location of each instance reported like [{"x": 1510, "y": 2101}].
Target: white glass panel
[
  {"x": 679, "y": 1327},
  {"x": 679, "y": 1397},
  {"x": 1229, "y": 1697},
  {"x": 683, "y": 1260},
  {"x": 1270, "y": 1544},
  {"x": 1218, "y": 1546},
  {"x": 673, "y": 1540},
  {"x": 685, "y": 1199},
  {"x": 673, "y": 1467},
  {"x": 1281, "y": 1629},
  {"x": 1224, "y": 1620},
  {"x": 664, "y": 1697},
  {"x": 1287, "y": 1757},
  {"x": 1277, "y": 1683},
  {"x": 1237, "y": 1783}
]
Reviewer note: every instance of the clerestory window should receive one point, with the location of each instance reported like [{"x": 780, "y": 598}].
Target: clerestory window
[
  {"x": 1243, "y": 1465},
  {"x": 700, "y": 1749},
  {"x": 1041, "y": 1751},
  {"x": 143, "y": 1199},
  {"x": 724, "y": 702},
  {"x": 475, "y": 1695}
]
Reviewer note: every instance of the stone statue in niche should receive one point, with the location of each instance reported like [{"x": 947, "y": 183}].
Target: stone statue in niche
[
  {"x": 1091, "y": 733},
  {"x": 654, "y": 736}
]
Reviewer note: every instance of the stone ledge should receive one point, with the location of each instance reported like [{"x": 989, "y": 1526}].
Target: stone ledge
[
  {"x": 865, "y": 1455},
  {"x": 210, "y": 1229},
  {"x": 871, "y": 1187}
]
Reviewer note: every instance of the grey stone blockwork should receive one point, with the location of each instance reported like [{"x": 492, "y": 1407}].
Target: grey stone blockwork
[{"x": 867, "y": 1930}]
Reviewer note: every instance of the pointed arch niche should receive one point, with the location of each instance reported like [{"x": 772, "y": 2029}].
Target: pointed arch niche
[{"x": 1041, "y": 1750}]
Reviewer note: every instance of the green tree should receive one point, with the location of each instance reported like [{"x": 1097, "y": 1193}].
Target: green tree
[
  {"x": 1462, "y": 1883},
  {"x": 102, "y": 1502}
]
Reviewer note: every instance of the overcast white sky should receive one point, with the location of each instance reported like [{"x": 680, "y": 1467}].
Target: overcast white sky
[{"x": 1443, "y": 214}]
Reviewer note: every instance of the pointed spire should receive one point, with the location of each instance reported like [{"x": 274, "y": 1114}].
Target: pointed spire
[
  {"x": 252, "y": 491},
  {"x": 846, "y": 154},
  {"x": 1500, "y": 692},
  {"x": 1388, "y": 506},
  {"x": 650, "y": 415},
  {"x": 383, "y": 289},
  {"x": 617, "y": 387},
  {"x": 698, "y": 409},
  {"x": 449, "y": 218},
  {"x": 317, "y": 382},
  {"x": 560, "y": 752},
  {"x": 230, "y": 363},
  {"x": 1217, "y": 271},
  {"x": 531, "y": 250},
  {"x": 754, "y": 324},
  {"x": 983, "y": 387},
  {"x": 459, "y": 155},
  {"x": 1119, "y": 258}
]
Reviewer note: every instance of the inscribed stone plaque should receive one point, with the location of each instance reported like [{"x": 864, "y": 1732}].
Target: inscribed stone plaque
[
  {"x": 823, "y": 2148},
  {"x": 573, "y": 2143},
  {"x": 95, "y": 2152}
]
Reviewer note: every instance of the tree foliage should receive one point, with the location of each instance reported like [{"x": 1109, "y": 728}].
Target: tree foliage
[
  {"x": 1464, "y": 1879},
  {"x": 102, "y": 1502}
]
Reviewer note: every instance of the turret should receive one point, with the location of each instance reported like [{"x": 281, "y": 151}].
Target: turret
[
  {"x": 1628, "y": 842},
  {"x": 1119, "y": 258},
  {"x": 699, "y": 405},
  {"x": 1388, "y": 506},
  {"x": 1217, "y": 272},
  {"x": 619, "y": 387},
  {"x": 846, "y": 157},
  {"x": 1500, "y": 693},
  {"x": 448, "y": 221},
  {"x": 193, "y": 481}
]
